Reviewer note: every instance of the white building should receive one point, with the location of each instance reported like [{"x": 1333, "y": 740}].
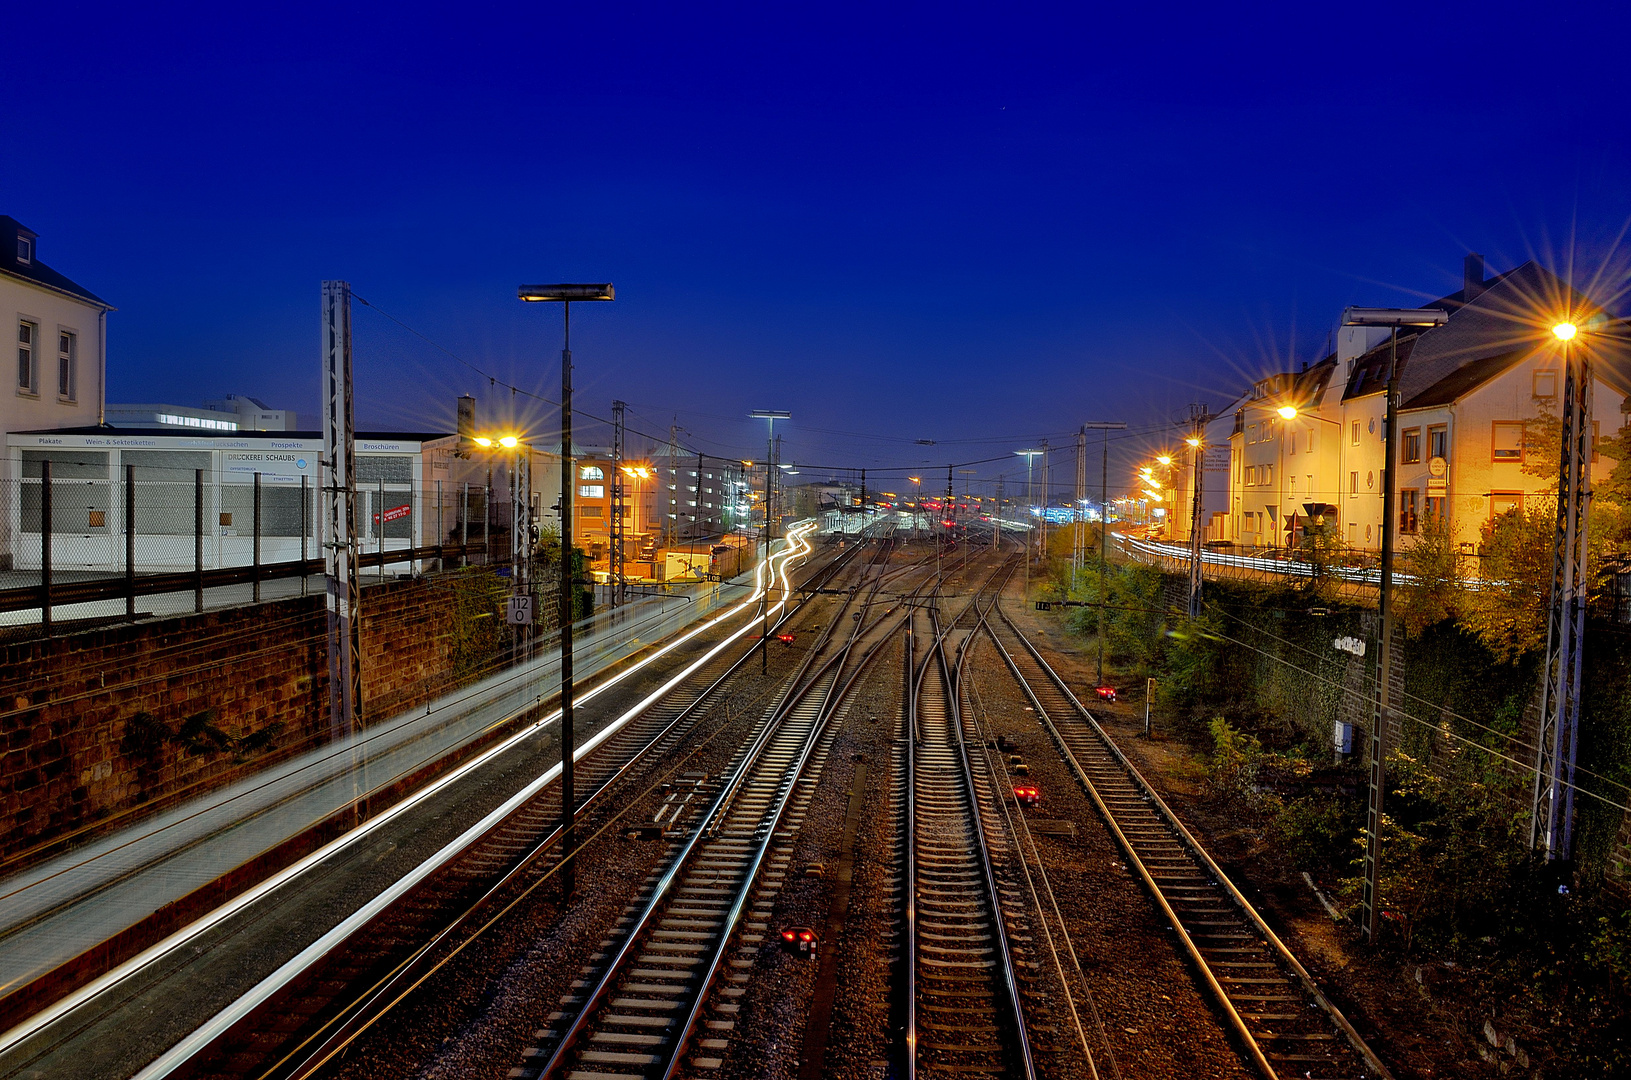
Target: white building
[
  {"x": 60, "y": 329},
  {"x": 404, "y": 497},
  {"x": 235, "y": 412},
  {"x": 1469, "y": 392}
]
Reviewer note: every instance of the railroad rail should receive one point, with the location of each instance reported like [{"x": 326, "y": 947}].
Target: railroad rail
[
  {"x": 645, "y": 1008},
  {"x": 1284, "y": 1024},
  {"x": 962, "y": 998},
  {"x": 498, "y": 851}
]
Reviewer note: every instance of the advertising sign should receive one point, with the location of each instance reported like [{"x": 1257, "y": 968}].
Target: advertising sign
[
  {"x": 395, "y": 513},
  {"x": 240, "y": 466}
]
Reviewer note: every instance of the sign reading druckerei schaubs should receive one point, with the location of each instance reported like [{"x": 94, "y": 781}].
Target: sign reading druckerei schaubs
[{"x": 240, "y": 466}]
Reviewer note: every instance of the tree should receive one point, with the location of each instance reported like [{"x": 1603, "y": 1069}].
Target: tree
[
  {"x": 1430, "y": 591},
  {"x": 1506, "y": 610}
]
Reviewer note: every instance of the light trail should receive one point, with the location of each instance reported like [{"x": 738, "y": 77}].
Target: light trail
[{"x": 779, "y": 563}]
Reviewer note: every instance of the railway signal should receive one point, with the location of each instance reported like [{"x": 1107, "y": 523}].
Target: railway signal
[
  {"x": 1027, "y": 795},
  {"x": 799, "y": 939}
]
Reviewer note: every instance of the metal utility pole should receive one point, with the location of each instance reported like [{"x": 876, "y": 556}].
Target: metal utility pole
[
  {"x": 996, "y": 533},
  {"x": 339, "y": 518},
  {"x": 770, "y": 415},
  {"x": 565, "y": 294},
  {"x": 1551, "y": 820},
  {"x": 1078, "y": 538},
  {"x": 701, "y": 524},
  {"x": 1042, "y": 521},
  {"x": 1030, "y": 496},
  {"x": 862, "y": 530},
  {"x": 1106, "y": 426},
  {"x": 1393, "y": 318},
  {"x": 521, "y": 541},
  {"x": 619, "y": 582},
  {"x": 1199, "y": 417}
]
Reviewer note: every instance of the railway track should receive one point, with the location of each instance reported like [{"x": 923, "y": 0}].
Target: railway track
[
  {"x": 1283, "y": 1024},
  {"x": 656, "y": 996},
  {"x": 390, "y": 954},
  {"x": 962, "y": 996}
]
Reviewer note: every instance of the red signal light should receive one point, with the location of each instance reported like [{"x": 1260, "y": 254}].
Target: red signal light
[{"x": 800, "y": 939}]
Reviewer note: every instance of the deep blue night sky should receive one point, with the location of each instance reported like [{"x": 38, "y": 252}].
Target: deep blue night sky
[{"x": 906, "y": 223}]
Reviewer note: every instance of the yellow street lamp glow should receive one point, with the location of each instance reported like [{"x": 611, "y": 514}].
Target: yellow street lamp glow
[
  {"x": 1565, "y": 331},
  {"x": 482, "y": 440},
  {"x": 1287, "y": 411},
  {"x": 915, "y": 479},
  {"x": 509, "y": 442},
  {"x": 1164, "y": 459},
  {"x": 1155, "y": 496},
  {"x": 1193, "y": 441}
]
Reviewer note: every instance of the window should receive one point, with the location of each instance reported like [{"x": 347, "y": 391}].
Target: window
[
  {"x": 1504, "y": 502},
  {"x": 1409, "y": 509},
  {"x": 1291, "y": 442},
  {"x": 27, "y": 334},
  {"x": 25, "y": 250},
  {"x": 1435, "y": 508},
  {"x": 1411, "y": 447},
  {"x": 1251, "y": 434},
  {"x": 1506, "y": 441},
  {"x": 1310, "y": 447},
  {"x": 1265, "y": 475},
  {"x": 591, "y": 472},
  {"x": 67, "y": 364},
  {"x": 1543, "y": 383},
  {"x": 1251, "y": 475},
  {"x": 1438, "y": 442},
  {"x": 591, "y": 491},
  {"x": 1353, "y": 483},
  {"x": 591, "y": 511},
  {"x": 1356, "y": 433}
]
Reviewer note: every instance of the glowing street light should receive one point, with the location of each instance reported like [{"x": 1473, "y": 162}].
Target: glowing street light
[
  {"x": 1164, "y": 459},
  {"x": 1287, "y": 412},
  {"x": 1392, "y": 318},
  {"x": 565, "y": 295},
  {"x": 1565, "y": 331}
]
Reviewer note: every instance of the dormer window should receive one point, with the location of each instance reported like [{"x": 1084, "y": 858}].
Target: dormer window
[{"x": 25, "y": 249}]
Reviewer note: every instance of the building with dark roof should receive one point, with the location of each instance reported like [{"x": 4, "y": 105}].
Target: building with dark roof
[
  {"x": 59, "y": 328},
  {"x": 1469, "y": 392}
]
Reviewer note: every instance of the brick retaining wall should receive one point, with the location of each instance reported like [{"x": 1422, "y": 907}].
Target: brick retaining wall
[{"x": 79, "y": 752}]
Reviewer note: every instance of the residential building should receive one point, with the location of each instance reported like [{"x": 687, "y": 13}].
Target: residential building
[
  {"x": 60, "y": 329},
  {"x": 1473, "y": 394}
]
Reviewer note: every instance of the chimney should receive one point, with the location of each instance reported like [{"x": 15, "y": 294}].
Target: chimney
[
  {"x": 1472, "y": 272},
  {"x": 467, "y": 416}
]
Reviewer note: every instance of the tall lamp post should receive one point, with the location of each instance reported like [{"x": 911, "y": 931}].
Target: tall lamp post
[
  {"x": 565, "y": 295},
  {"x": 1030, "y": 525},
  {"x": 770, "y": 415},
  {"x": 1392, "y": 318},
  {"x": 1551, "y": 821}
]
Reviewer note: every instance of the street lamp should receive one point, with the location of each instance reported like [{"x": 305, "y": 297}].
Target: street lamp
[
  {"x": 1030, "y": 496},
  {"x": 770, "y": 415},
  {"x": 1392, "y": 318},
  {"x": 1551, "y": 818},
  {"x": 565, "y": 295}
]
